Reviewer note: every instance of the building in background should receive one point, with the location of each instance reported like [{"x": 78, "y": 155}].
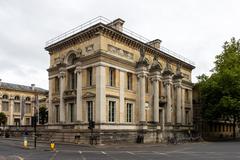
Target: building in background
[
  {"x": 18, "y": 102},
  {"x": 210, "y": 130},
  {"x": 103, "y": 72}
]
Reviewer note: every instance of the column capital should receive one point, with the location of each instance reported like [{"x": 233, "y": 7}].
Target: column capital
[
  {"x": 177, "y": 83},
  {"x": 142, "y": 74},
  {"x": 62, "y": 73},
  {"x": 155, "y": 76},
  {"x": 167, "y": 81},
  {"x": 78, "y": 69}
]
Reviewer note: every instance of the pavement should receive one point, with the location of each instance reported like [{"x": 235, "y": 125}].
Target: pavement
[{"x": 13, "y": 149}]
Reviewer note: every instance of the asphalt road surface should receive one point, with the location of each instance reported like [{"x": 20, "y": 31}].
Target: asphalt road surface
[{"x": 13, "y": 150}]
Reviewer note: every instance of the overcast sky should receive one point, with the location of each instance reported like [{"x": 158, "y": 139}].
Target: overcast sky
[{"x": 196, "y": 29}]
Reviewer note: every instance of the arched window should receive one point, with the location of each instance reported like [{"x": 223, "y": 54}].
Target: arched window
[
  {"x": 71, "y": 59},
  {"x": 28, "y": 99},
  {"x": 17, "y": 98},
  {"x": 5, "y": 96}
]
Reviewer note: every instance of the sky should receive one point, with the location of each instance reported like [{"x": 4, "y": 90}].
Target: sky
[{"x": 195, "y": 29}]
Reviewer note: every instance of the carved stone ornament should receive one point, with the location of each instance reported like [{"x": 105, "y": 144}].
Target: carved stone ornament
[
  {"x": 167, "y": 70},
  {"x": 78, "y": 69},
  {"x": 143, "y": 61},
  {"x": 156, "y": 65},
  {"x": 62, "y": 73},
  {"x": 178, "y": 74}
]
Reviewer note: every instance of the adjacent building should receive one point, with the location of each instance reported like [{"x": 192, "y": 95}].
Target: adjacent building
[
  {"x": 19, "y": 102},
  {"x": 103, "y": 72}
]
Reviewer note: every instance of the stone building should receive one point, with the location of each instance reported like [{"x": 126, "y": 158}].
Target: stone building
[
  {"x": 215, "y": 130},
  {"x": 103, "y": 72},
  {"x": 18, "y": 102}
]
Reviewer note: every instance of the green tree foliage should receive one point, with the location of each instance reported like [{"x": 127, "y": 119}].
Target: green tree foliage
[
  {"x": 3, "y": 119},
  {"x": 43, "y": 114},
  {"x": 220, "y": 93}
]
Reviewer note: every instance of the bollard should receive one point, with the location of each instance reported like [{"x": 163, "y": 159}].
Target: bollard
[
  {"x": 52, "y": 146},
  {"x": 25, "y": 142}
]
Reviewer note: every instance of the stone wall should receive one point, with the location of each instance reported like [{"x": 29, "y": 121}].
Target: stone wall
[{"x": 82, "y": 136}]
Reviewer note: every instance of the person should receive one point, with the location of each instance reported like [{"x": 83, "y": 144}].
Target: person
[{"x": 25, "y": 132}]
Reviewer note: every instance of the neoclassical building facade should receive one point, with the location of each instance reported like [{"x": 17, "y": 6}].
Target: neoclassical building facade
[
  {"x": 18, "y": 102},
  {"x": 118, "y": 80}
]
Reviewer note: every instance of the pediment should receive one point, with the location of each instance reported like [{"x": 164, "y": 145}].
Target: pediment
[{"x": 88, "y": 95}]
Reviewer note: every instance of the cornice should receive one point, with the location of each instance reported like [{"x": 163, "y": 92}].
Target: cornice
[{"x": 105, "y": 30}]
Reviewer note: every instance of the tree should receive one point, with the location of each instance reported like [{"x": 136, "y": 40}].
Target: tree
[
  {"x": 220, "y": 93},
  {"x": 43, "y": 114},
  {"x": 3, "y": 119}
]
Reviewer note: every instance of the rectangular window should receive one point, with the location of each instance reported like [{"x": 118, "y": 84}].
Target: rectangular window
[
  {"x": 129, "y": 81},
  {"x": 71, "y": 112},
  {"x": 72, "y": 80},
  {"x": 111, "y": 111},
  {"x": 160, "y": 88},
  {"x": 90, "y": 110},
  {"x": 28, "y": 108},
  {"x": 129, "y": 112},
  {"x": 112, "y": 73},
  {"x": 57, "y": 113},
  {"x": 16, "y": 107},
  {"x": 57, "y": 85},
  {"x": 146, "y": 84},
  {"x": 5, "y": 106},
  {"x": 89, "y": 76},
  {"x": 27, "y": 121},
  {"x": 186, "y": 96},
  {"x": 17, "y": 121},
  {"x": 187, "y": 117}
]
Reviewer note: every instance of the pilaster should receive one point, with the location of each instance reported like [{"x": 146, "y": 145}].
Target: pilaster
[
  {"x": 100, "y": 94},
  {"x": 79, "y": 107},
  {"x": 62, "y": 76},
  {"x": 11, "y": 110},
  {"x": 121, "y": 97},
  {"x": 50, "y": 106}
]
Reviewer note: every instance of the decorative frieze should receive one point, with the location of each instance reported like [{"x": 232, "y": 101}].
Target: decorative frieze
[{"x": 120, "y": 52}]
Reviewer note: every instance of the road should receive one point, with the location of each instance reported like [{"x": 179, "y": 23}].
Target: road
[{"x": 192, "y": 151}]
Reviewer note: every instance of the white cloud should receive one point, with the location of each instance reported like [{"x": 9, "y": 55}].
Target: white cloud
[{"x": 195, "y": 29}]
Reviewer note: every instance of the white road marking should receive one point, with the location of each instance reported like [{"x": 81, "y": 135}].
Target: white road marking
[
  {"x": 159, "y": 153},
  {"x": 80, "y": 152},
  {"x": 104, "y": 152},
  {"x": 130, "y": 153}
]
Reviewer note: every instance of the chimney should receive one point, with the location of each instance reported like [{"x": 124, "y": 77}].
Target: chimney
[
  {"x": 117, "y": 24},
  {"x": 155, "y": 43},
  {"x": 33, "y": 86}
]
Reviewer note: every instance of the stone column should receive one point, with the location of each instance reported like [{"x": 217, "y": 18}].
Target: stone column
[
  {"x": 62, "y": 75},
  {"x": 0, "y": 103},
  {"x": 121, "y": 98},
  {"x": 100, "y": 94},
  {"x": 142, "y": 75},
  {"x": 155, "y": 79},
  {"x": 163, "y": 119},
  {"x": 79, "y": 107},
  {"x": 178, "y": 104},
  {"x": 11, "y": 110},
  {"x": 50, "y": 107},
  {"x": 183, "y": 106},
  {"x": 168, "y": 83},
  {"x": 191, "y": 106}
]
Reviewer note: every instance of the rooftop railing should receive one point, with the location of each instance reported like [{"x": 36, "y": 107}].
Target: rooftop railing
[{"x": 104, "y": 20}]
